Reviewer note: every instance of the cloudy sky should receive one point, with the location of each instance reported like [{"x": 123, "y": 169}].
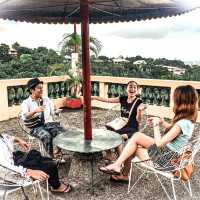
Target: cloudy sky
[{"x": 172, "y": 38}]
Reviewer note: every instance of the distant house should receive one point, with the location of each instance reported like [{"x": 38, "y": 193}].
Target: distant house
[
  {"x": 175, "y": 70},
  {"x": 13, "y": 52},
  {"x": 140, "y": 62},
  {"x": 120, "y": 60},
  {"x": 98, "y": 61}
]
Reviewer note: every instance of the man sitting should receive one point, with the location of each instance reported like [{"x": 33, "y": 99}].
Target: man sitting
[
  {"x": 37, "y": 113},
  {"x": 30, "y": 164}
]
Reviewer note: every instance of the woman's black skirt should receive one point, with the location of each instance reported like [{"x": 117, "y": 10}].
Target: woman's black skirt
[{"x": 125, "y": 130}]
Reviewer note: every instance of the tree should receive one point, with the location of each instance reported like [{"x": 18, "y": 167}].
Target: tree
[
  {"x": 4, "y": 53},
  {"x": 23, "y": 50},
  {"x": 58, "y": 69},
  {"x": 16, "y": 46},
  {"x": 71, "y": 43}
]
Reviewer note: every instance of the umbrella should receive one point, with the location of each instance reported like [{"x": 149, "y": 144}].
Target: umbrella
[
  {"x": 91, "y": 11},
  {"x": 101, "y": 11}
]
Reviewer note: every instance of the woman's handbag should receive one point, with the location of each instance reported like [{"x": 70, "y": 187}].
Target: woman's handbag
[
  {"x": 186, "y": 172},
  {"x": 120, "y": 122}
]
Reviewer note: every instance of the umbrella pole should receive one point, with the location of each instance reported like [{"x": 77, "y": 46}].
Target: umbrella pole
[{"x": 84, "y": 9}]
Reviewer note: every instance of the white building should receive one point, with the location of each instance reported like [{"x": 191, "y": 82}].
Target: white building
[
  {"x": 140, "y": 62},
  {"x": 120, "y": 60},
  {"x": 175, "y": 70}
]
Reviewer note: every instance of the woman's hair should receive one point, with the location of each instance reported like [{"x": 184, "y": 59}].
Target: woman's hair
[
  {"x": 137, "y": 95},
  {"x": 185, "y": 103},
  {"x": 133, "y": 82}
]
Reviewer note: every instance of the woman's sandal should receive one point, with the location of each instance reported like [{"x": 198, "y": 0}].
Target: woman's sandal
[
  {"x": 66, "y": 190},
  {"x": 118, "y": 179},
  {"x": 109, "y": 171}
]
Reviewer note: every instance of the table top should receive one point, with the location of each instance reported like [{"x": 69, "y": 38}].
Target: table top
[{"x": 73, "y": 140}]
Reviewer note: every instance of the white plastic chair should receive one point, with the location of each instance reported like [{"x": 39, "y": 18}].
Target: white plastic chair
[
  {"x": 149, "y": 167},
  {"x": 19, "y": 183}
]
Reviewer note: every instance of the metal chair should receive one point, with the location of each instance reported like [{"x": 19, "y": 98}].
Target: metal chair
[
  {"x": 149, "y": 166},
  {"x": 31, "y": 139},
  {"x": 12, "y": 182}
]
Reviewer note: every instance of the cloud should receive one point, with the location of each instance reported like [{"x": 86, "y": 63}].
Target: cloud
[
  {"x": 160, "y": 28},
  {"x": 144, "y": 33},
  {"x": 2, "y": 29},
  {"x": 176, "y": 37}
]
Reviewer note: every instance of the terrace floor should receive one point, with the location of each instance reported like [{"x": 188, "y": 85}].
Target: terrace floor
[{"x": 147, "y": 188}]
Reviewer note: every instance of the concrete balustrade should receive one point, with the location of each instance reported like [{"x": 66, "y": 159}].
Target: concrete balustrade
[
  {"x": 7, "y": 112},
  {"x": 151, "y": 109}
]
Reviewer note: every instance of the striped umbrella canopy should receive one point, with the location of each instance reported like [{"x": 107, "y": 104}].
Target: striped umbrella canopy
[{"x": 91, "y": 11}]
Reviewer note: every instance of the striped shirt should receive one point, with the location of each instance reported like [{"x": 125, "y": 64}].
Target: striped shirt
[{"x": 29, "y": 105}]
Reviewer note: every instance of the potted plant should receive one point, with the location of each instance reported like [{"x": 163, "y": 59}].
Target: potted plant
[{"x": 74, "y": 83}]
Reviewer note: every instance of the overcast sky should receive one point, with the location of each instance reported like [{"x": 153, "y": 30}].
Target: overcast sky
[{"x": 172, "y": 38}]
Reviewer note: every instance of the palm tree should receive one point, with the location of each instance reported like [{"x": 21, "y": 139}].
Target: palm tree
[
  {"x": 58, "y": 69},
  {"x": 74, "y": 83},
  {"x": 71, "y": 43}
]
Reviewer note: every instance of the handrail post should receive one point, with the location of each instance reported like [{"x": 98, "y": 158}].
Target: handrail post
[{"x": 4, "y": 111}]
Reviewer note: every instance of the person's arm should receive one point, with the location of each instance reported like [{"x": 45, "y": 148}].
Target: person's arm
[
  {"x": 168, "y": 137},
  {"x": 39, "y": 109},
  {"x": 53, "y": 108},
  {"x": 108, "y": 100},
  {"x": 156, "y": 129},
  {"x": 164, "y": 123},
  {"x": 140, "y": 112},
  {"x": 5, "y": 161},
  {"x": 28, "y": 114}
]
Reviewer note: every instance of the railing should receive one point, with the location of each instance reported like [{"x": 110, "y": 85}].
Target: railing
[
  {"x": 157, "y": 94},
  {"x": 14, "y": 91}
]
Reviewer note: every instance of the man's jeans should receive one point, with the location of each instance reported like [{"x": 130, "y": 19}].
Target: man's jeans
[{"x": 46, "y": 133}]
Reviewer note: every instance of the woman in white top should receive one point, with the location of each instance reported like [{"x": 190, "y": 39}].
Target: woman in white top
[{"x": 176, "y": 134}]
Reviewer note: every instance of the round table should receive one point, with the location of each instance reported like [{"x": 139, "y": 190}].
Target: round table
[
  {"x": 73, "y": 140},
  {"x": 102, "y": 140}
]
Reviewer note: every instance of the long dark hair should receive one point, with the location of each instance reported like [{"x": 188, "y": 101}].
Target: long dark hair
[{"x": 185, "y": 103}]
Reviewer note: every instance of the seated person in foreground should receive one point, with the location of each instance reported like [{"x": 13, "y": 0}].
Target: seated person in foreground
[
  {"x": 37, "y": 113},
  {"x": 130, "y": 103},
  {"x": 177, "y": 135},
  {"x": 29, "y": 164}
]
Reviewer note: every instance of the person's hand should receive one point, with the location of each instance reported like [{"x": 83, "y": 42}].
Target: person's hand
[
  {"x": 39, "y": 109},
  {"x": 125, "y": 136},
  {"x": 24, "y": 145},
  {"x": 161, "y": 120},
  {"x": 37, "y": 174},
  {"x": 58, "y": 111},
  {"x": 141, "y": 108},
  {"x": 149, "y": 121},
  {"x": 156, "y": 121}
]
